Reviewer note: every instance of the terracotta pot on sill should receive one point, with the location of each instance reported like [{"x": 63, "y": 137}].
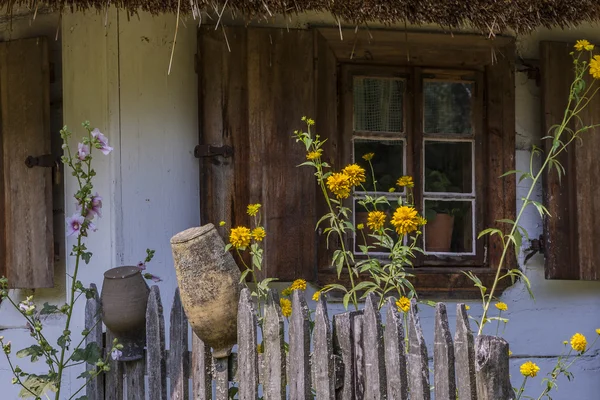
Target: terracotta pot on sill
[
  {"x": 124, "y": 300},
  {"x": 209, "y": 286},
  {"x": 438, "y": 234}
]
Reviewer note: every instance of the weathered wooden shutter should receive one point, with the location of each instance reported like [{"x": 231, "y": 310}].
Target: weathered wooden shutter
[
  {"x": 26, "y": 242},
  {"x": 572, "y": 231},
  {"x": 255, "y": 85}
]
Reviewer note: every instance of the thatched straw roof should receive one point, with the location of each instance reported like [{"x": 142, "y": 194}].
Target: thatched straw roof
[{"x": 485, "y": 15}]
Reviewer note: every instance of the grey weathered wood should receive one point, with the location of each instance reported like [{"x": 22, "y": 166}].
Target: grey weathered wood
[
  {"x": 395, "y": 354},
  {"x": 323, "y": 359},
  {"x": 343, "y": 346},
  {"x": 201, "y": 370},
  {"x": 247, "y": 353},
  {"x": 418, "y": 372},
  {"x": 491, "y": 368},
  {"x": 464, "y": 354},
  {"x": 178, "y": 370},
  {"x": 375, "y": 380},
  {"x": 156, "y": 364},
  {"x": 134, "y": 374},
  {"x": 274, "y": 351},
  {"x": 93, "y": 323},
  {"x": 113, "y": 389},
  {"x": 443, "y": 356},
  {"x": 299, "y": 338},
  {"x": 221, "y": 375},
  {"x": 359, "y": 357}
]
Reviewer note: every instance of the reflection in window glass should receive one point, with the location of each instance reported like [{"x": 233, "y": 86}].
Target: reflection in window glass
[
  {"x": 448, "y": 167},
  {"x": 388, "y": 162},
  {"x": 447, "y": 107},
  {"x": 378, "y": 104},
  {"x": 449, "y": 226}
]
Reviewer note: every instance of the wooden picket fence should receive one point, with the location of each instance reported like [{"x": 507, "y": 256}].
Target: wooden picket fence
[{"x": 353, "y": 356}]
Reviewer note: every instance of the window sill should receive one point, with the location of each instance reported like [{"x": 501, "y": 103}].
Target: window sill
[{"x": 440, "y": 283}]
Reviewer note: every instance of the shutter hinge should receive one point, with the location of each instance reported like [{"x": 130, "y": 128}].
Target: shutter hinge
[
  {"x": 536, "y": 246},
  {"x": 207, "y": 150},
  {"x": 47, "y": 161}
]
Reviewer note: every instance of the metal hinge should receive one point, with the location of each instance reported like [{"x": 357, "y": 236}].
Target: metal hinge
[
  {"x": 207, "y": 150},
  {"x": 46, "y": 161},
  {"x": 536, "y": 246}
]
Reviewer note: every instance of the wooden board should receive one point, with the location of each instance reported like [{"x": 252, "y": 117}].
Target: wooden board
[{"x": 26, "y": 241}]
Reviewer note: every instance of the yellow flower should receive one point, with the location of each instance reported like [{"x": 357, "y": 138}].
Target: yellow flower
[
  {"x": 286, "y": 292},
  {"x": 356, "y": 173},
  {"x": 360, "y": 227},
  {"x": 317, "y": 295},
  {"x": 368, "y": 156},
  {"x": 286, "y": 307},
  {"x": 467, "y": 307},
  {"x": 529, "y": 369},
  {"x": 583, "y": 45},
  {"x": 240, "y": 237},
  {"x": 405, "y": 181},
  {"x": 253, "y": 209},
  {"x": 509, "y": 353},
  {"x": 578, "y": 342},
  {"x": 595, "y": 67},
  {"x": 375, "y": 220},
  {"x": 339, "y": 184},
  {"x": 565, "y": 342},
  {"x": 501, "y": 306},
  {"x": 298, "y": 284},
  {"x": 405, "y": 220},
  {"x": 392, "y": 190},
  {"x": 222, "y": 223},
  {"x": 259, "y": 234},
  {"x": 421, "y": 221},
  {"x": 403, "y": 304},
  {"x": 313, "y": 155},
  {"x": 259, "y": 348},
  {"x": 598, "y": 331}
]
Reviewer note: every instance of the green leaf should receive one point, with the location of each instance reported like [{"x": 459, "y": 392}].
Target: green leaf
[
  {"x": 90, "y": 354},
  {"x": 49, "y": 309},
  {"x": 363, "y": 285},
  {"x": 346, "y": 299},
  {"x": 540, "y": 207},
  {"x": 506, "y": 221},
  {"x": 512, "y": 171},
  {"x": 489, "y": 231},
  {"x": 37, "y": 384},
  {"x": 35, "y": 351}
]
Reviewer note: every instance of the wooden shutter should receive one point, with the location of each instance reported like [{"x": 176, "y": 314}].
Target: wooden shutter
[
  {"x": 26, "y": 242},
  {"x": 572, "y": 231},
  {"x": 255, "y": 85}
]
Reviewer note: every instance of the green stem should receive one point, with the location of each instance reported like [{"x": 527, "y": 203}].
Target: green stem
[
  {"x": 521, "y": 389},
  {"x": 19, "y": 381}
]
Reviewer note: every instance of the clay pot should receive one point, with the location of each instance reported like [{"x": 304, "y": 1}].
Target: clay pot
[
  {"x": 124, "y": 299},
  {"x": 438, "y": 233},
  {"x": 209, "y": 286}
]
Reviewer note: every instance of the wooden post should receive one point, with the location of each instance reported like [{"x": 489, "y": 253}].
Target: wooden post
[
  {"x": 247, "y": 352},
  {"x": 359, "y": 357},
  {"x": 221, "y": 375},
  {"x": 418, "y": 373},
  {"x": 93, "y": 323},
  {"x": 323, "y": 361},
  {"x": 274, "y": 383},
  {"x": 491, "y": 368},
  {"x": 395, "y": 354},
  {"x": 113, "y": 389},
  {"x": 343, "y": 346},
  {"x": 178, "y": 351},
  {"x": 464, "y": 354},
  {"x": 201, "y": 370},
  {"x": 443, "y": 356},
  {"x": 155, "y": 347},
  {"x": 134, "y": 374},
  {"x": 375, "y": 380},
  {"x": 299, "y": 336}
]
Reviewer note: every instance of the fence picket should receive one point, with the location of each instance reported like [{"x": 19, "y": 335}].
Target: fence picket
[
  {"x": 343, "y": 346},
  {"x": 134, "y": 374},
  {"x": 418, "y": 373},
  {"x": 178, "y": 351},
  {"x": 375, "y": 380},
  {"x": 113, "y": 389},
  {"x": 323, "y": 359},
  {"x": 201, "y": 370},
  {"x": 443, "y": 356},
  {"x": 93, "y": 323},
  {"x": 395, "y": 354},
  {"x": 464, "y": 354},
  {"x": 359, "y": 358},
  {"x": 299, "y": 337},
  {"x": 274, "y": 351},
  {"x": 155, "y": 347},
  {"x": 247, "y": 351},
  {"x": 221, "y": 375},
  {"x": 491, "y": 368}
]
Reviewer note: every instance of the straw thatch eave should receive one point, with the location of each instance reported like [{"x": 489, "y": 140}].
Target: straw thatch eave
[{"x": 484, "y": 15}]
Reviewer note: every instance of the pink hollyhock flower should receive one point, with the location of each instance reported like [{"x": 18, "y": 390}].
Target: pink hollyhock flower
[
  {"x": 74, "y": 224},
  {"x": 103, "y": 141},
  {"x": 141, "y": 266},
  {"x": 96, "y": 205},
  {"x": 83, "y": 150},
  {"x": 116, "y": 354}
]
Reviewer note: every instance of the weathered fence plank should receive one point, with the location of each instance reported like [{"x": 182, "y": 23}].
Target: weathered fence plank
[
  {"x": 156, "y": 364},
  {"x": 299, "y": 354},
  {"x": 464, "y": 354},
  {"x": 395, "y": 354},
  {"x": 443, "y": 356},
  {"x": 375, "y": 380},
  {"x": 343, "y": 346},
  {"x": 201, "y": 370},
  {"x": 359, "y": 358},
  {"x": 247, "y": 351},
  {"x": 323, "y": 359},
  {"x": 491, "y": 368},
  {"x": 93, "y": 323},
  {"x": 418, "y": 373},
  {"x": 113, "y": 389},
  {"x": 274, "y": 351},
  {"x": 178, "y": 352},
  {"x": 221, "y": 375},
  {"x": 134, "y": 374}
]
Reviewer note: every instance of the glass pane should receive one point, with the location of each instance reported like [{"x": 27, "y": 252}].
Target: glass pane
[
  {"x": 361, "y": 217},
  {"x": 388, "y": 163},
  {"x": 448, "y": 167},
  {"x": 447, "y": 107},
  {"x": 449, "y": 226},
  {"x": 378, "y": 104}
]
